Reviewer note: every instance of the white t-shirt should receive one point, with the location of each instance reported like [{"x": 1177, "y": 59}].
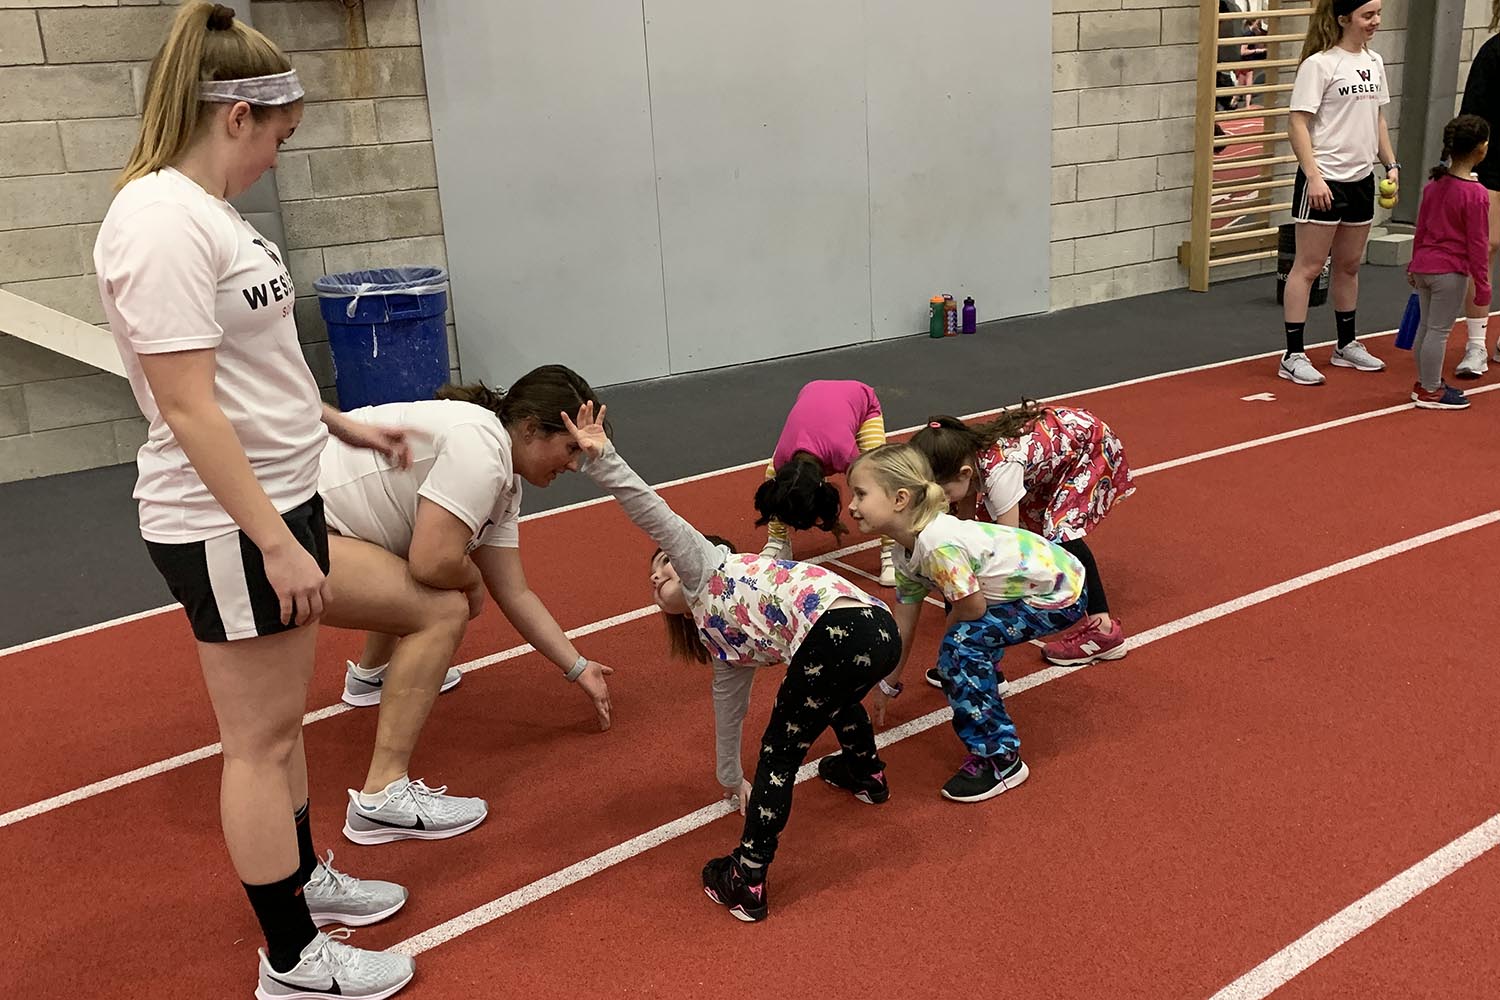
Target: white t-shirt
[
  {"x": 460, "y": 461},
  {"x": 1005, "y": 486},
  {"x": 1344, "y": 92},
  {"x": 180, "y": 270}
]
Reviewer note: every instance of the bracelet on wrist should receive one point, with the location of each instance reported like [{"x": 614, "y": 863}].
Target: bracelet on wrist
[
  {"x": 577, "y": 669},
  {"x": 891, "y": 690}
]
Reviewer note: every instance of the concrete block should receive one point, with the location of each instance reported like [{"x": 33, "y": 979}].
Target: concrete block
[
  {"x": 1179, "y": 26},
  {"x": 301, "y": 26},
  {"x": 22, "y": 361},
  {"x": 1153, "y": 208},
  {"x": 1086, "y": 70},
  {"x": 294, "y": 177},
  {"x": 1064, "y": 184},
  {"x": 98, "y": 143},
  {"x": 1110, "y": 105},
  {"x": 1119, "y": 29},
  {"x": 333, "y": 221},
  {"x": 1062, "y": 258},
  {"x": 71, "y": 402},
  {"x": 452, "y": 332},
  {"x": 341, "y": 75},
  {"x": 75, "y": 296},
  {"x": 1096, "y": 253},
  {"x": 54, "y": 199},
  {"x": 1082, "y": 289},
  {"x": 1477, "y": 14},
  {"x": 372, "y": 169},
  {"x": 1083, "y": 218},
  {"x": 1095, "y": 144},
  {"x": 310, "y": 325},
  {"x": 406, "y": 119},
  {"x": 118, "y": 34},
  {"x": 1178, "y": 100},
  {"x": 52, "y": 252},
  {"x": 422, "y": 251},
  {"x": 48, "y": 93},
  {"x": 1163, "y": 64},
  {"x": 51, "y": 453},
  {"x": 392, "y": 22},
  {"x": 1390, "y": 250},
  {"x": 1064, "y": 32},
  {"x": 1174, "y": 171},
  {"x": 1144, "y": 279},
  {"x": 320, "y": 360},
  {"x": 1166, "y": 239},
  {"x": 1066, "y": 6},
  {"x": 334, "y": 124},
  {"x": 305, "y": 266},
  {"x": 1107, "y": 180},
  {"x": 30, "y": 148},
  {"x": 12, "y": 411},
  {"x": 130, "y": 434},
  {"x": 1065, "y": 109},
  {"x": 1153, "y": 138},
  {"x": 20, "y": 40}
]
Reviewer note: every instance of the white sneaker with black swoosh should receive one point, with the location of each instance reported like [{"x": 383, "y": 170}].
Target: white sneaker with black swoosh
[
  {"x": 330, "y": 968},
  {"x": 410, "y": 810},
  {"x": 362, "y": 688}
]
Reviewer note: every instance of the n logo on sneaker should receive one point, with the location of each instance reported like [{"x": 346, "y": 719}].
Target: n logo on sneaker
[
  {"x": 1091, "y": 647},
  {"x": 332, "y": 989}
]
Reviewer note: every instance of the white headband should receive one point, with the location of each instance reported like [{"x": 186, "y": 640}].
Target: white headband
[{"x": 266, "y": 91}]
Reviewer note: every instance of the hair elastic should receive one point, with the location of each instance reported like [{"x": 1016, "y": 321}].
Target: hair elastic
[
  {"x": 264, "y": 91},
  {"x": 935, "y": 425}
]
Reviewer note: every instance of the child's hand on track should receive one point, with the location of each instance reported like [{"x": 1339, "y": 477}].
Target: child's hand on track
[{"x": 739, "y": 799}]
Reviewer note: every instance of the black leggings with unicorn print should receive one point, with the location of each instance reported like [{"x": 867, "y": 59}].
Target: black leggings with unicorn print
[{"x": 842, "y": 658}]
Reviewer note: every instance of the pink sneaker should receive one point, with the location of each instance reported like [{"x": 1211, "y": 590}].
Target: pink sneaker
[{"x": 1086, "y": 643}]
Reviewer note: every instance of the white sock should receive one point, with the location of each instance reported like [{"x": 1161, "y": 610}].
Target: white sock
[
  {"x": 367, "y": 673},
  {"x": 1477, "y": 332},
  {"x": 378, "y": 799}
]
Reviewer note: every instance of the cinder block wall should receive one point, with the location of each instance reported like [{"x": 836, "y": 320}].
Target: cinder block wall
[
  {"x": 357, "y": 184},
  {"x": 1124, "y": 94}
]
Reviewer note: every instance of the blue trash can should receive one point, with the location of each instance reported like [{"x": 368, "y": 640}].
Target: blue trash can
[{"x": 386, "y": 333}]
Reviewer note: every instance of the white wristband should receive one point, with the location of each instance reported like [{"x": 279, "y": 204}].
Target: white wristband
[{"x": 578, "y": 669}]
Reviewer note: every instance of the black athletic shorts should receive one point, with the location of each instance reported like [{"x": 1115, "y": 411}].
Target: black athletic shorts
[
  {"x": 221, "y": 583},
  {"x": 1353, "y": 203}
]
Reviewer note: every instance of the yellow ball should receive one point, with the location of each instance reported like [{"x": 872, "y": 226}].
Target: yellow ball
[
  {"x": 1387, "y": 203},
  {"x": 1387, "y": 188}
]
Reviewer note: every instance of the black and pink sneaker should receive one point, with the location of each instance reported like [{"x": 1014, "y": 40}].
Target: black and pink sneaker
[
  {"x": 871, "y": 790},
  {"x": 739, "y": 887}
]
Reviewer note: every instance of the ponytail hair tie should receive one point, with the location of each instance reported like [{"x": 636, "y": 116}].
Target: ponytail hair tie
[{"x": 935, "y": 425}]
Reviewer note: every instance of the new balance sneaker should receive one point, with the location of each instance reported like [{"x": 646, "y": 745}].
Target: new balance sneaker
[
  {"x": 774, "y": 549},
  {"x": 363, "y": 689},
  {"x": 412, "y": 811},
  {"x": 1086, "y": 643},
  {"x": 727, "y": 882},
  {"x": 1296, "y": 368},
  {"x": 887, "y": 570},
  {"x": 1444, "y": 397},
  {"x": 983, "y": 778},
  {"x": 871, "y": 790},
  {"x": 330, "y": 968},
  {"x": 1474, "y": 363},
  {"x": 336, "y": 898},
  {"x": 936, "y": 680},
  {"x": 1353, "y": 355}
]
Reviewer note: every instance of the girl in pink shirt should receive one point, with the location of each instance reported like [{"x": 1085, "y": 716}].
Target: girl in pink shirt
[{"x": 1452, "y": 246}]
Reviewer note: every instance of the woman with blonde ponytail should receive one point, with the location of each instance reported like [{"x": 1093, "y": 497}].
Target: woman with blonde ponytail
[
  {"x": 1482, "y": 98},
  {"x": 1002, "y": 585},
  {"x": 200, "y": 305},
  {"x": 1338, "y": 130}
]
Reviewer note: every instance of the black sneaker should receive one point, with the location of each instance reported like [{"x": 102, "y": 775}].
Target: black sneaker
[
  {"x": 985, "y": 777},
  {"x": 835, "y": 770},
  {"x": 934, "y": 678},
  {"x": 727, "y": 882}
]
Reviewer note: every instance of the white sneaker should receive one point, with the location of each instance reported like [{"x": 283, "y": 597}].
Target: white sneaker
[
  {"x": 777, "y": 550},
  {"x": 362, "y": 689},
  {"x": 336, "y": 898},
  {"x": 887, "y": 570},
  {"x": 412, "y": 811},
  {"x": 1474, "y": 364},
  {"x": 331, "y": 968},
  {"x": 1355, "y": 356},
  {"x": 1296, "y": 368}
]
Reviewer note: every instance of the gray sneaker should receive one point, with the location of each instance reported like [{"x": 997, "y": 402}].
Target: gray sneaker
[
  {"x": 1296, "y": 368},
  {"x": 413, "y": 812},
  {"x": 362, "y": 692},
  {"x": 336, "y": 898},
  {"x": 1355, "y": 356},
  {"x": 331, "y": 968},
  {"x": 1474, "y": 363}
]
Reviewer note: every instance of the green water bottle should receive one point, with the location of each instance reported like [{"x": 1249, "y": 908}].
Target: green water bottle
[{"x": 937, "y": 324}]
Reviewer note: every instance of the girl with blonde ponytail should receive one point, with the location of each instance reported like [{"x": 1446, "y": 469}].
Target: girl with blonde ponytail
[
  {"x": 1482, "y": 99},
  {"x": 1002, "y": 585},
  {"x": 200, "y": 305}
]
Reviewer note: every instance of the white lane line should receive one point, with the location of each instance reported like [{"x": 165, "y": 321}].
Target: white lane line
[
  {"x": 489, "y": 912},
  {"x": 1362, "y": 914},
  {"x": 698, "y": 477}
]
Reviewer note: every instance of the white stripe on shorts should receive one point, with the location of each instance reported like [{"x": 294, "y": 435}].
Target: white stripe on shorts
[{"x": 226, "y": 576}]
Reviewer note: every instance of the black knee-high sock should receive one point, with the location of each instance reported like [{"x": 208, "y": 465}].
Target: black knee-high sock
[
  {"x": 307, "y": 858},
  {"x": 284, "y": 919},
  {"x": 1294, "y": 337},
  {"x": 1098, "y": 604},
  {"x": 1344, "y": 324}
]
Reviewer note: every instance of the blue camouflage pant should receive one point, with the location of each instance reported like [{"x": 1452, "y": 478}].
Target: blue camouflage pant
[{"x": 969, "y": 662}]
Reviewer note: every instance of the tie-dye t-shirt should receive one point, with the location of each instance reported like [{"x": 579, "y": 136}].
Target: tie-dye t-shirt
[
  {"x": 959, "y": 558},
  {"x": 758, "y": 610}
]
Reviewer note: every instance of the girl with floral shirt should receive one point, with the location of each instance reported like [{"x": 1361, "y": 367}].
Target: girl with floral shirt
[
  {"x": 1003, "y": 586},
  {"x": 743, "y": 611}
]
